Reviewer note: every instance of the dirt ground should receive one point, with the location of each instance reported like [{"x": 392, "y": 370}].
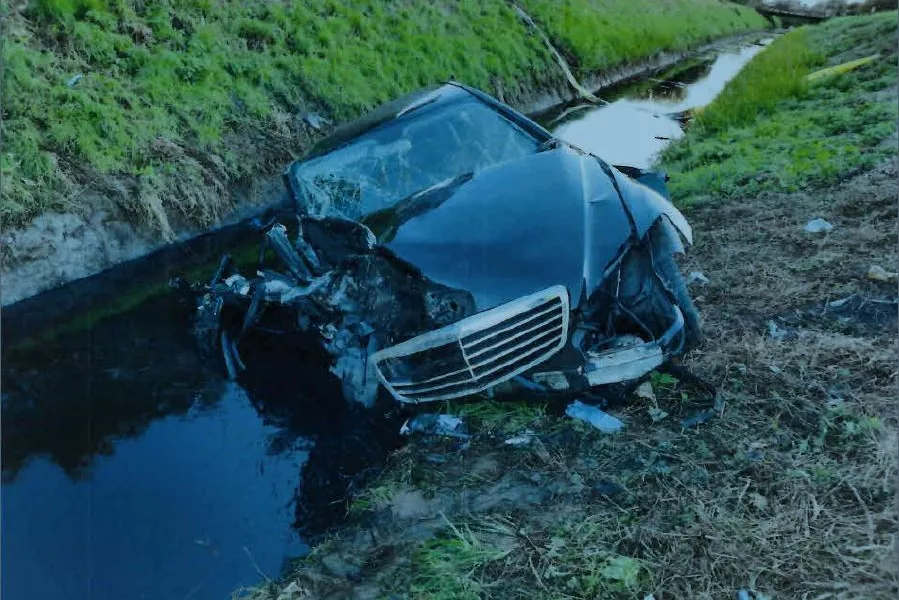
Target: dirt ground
[{"x": 786, "y": 488}]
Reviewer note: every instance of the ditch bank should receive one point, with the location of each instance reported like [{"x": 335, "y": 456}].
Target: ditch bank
[{"x": 89, "y": 184}]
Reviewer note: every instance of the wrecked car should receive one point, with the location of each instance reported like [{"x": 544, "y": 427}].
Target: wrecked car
[{"x": 446, "y": 245}]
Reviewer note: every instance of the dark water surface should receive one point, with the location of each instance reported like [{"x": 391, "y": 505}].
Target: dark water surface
[{"x": 132, "y": 469}]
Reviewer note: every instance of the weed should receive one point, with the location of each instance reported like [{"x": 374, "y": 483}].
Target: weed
[{"x": 500, "y": 417}]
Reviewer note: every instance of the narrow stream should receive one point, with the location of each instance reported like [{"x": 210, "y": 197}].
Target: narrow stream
[
  {"x": 642, "y": 117},
  {"x": 132, "y": 469}
]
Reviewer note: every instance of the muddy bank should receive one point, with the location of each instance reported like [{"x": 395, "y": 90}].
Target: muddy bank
[{"x": 57, "y": 248}]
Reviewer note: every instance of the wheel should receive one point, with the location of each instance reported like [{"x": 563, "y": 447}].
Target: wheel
[{"x": 663, "y": 250}]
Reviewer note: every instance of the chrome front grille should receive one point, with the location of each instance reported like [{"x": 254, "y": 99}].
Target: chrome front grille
[{"x": 478, "y": 352}]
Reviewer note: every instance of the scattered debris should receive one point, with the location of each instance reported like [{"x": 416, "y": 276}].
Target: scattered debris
[
  {"x": 775, "y": 332},
  {"x": 818, "y": 226},
  {"x": 554, "y": 380},
  {"x": 434, "y": 424},
  {"x": 841, "y": 302},
  {"x": 592, "y": 415},
  {"x": 703, "y": 416},
  {"x": 657, "y": 414},
  {"x": 522, "y": 439},
  {"x": 315, "y": 121},
  {"x": 644, "y": 390},
  {"x": 697, "y": 277},
  {"x": 878, "y": 273}
]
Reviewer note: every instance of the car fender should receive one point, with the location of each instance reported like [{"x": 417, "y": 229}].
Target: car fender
[{"x": 646, "y": 206}]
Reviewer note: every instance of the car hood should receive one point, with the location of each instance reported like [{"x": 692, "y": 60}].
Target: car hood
[{"x": 551, "y": 218}]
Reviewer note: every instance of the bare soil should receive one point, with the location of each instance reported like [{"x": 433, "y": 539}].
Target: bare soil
[{"x": 788, "y": 491}]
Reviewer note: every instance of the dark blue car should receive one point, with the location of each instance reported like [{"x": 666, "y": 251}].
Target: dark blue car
[{"x": 446, "y": 244}]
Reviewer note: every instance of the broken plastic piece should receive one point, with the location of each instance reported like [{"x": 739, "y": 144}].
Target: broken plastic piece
[
  {"x": 307, "y": 253},
  {"x": 702, "y": 416},
  {"x": 220, "y": 272},
  {"x": 590, "y": 414},
  {"x": 434, "y": 424},
  {"x": 277, "y": 237},
  {"x": 522, "y": 439}
]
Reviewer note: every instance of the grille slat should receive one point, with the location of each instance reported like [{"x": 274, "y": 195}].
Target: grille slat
[
  {"x": 513, "y": 350},
  {"x": 541, "y": 346},
  {"x": 478, "y": 352},
  {"x": 472, "y": 341},
  {"x": 465, "y": 374}
]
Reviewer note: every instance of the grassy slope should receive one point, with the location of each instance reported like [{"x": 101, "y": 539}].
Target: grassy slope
[
  {"x": 603, "y": 33},
  {"x": 790, "y": 491},
  {"x": 770, "y": 130},
  {"x": 180, "y": 99}
]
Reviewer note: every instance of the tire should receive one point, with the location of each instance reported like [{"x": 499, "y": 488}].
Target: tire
[{"x": 669, "y": 272}]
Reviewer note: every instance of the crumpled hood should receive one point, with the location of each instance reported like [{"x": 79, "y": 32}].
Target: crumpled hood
[{"x": 548, "y": 219}]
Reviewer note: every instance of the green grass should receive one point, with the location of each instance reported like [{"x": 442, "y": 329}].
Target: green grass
[
  {"x": 603, "y": 33},
  {"x": 177, "y": 100},
  {"x": 771, "y": 131}
]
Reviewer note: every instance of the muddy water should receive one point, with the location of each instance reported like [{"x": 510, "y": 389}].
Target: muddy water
[
  {"x": 641, "y": 118},
  {"x": 133, "y": 469}
]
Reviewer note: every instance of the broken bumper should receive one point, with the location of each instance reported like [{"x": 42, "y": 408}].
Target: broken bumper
[
  {"x": 478, "y": 352},
  {"x": 616, "y": 365},
  {"x": 487, "y": 349}
]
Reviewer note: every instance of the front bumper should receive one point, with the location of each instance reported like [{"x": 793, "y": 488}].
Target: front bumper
[
  {"x": 479, "y": 352},
  {"x": 487, "y": 349},
  {"x": 616, "y": 365}
]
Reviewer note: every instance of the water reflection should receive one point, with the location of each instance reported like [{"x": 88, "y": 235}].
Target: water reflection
[
  {"x": 71, "y": 398},
  {"x": 642, "y": 119},
  {"x": 131, "y": 470}
]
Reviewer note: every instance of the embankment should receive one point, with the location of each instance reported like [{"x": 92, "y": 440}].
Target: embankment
[{"x": 128, "y": 124}]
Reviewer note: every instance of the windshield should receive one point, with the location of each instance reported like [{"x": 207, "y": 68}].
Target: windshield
[{"x": 396, "y": 160}]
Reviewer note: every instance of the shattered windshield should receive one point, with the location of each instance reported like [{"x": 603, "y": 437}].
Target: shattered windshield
[{"x": 394, "y": 161}]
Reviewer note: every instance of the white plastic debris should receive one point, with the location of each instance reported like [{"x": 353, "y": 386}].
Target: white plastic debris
[
  {"x": 818, "y": 225},
  {"x": 840, "y": 302},
  {"x": 522, "y": 439},
  {"x": 878, "y": 273},
  {"x": 775, "y": 332},
  {"x": 644, "y": 390},
  {"x": 697, "y": 277},
  {"x": 590, "y": 414},
  {"x": 448, "y": 425},
  {"x": 75, "y": 79}
]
